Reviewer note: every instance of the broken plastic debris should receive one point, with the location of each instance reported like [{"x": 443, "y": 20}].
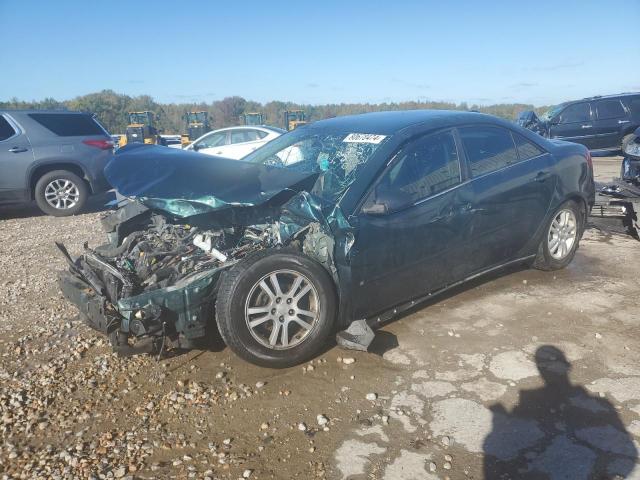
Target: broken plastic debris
[
  {"x": 205, "y": 243},
  {"x": 357, "y": 337}
]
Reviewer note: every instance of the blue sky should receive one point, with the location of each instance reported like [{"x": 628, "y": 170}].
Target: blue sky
[{"x": 325, "y": 51}]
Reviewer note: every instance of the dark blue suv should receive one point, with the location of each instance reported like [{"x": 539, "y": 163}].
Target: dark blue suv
[{"x": 598, "y": 123}]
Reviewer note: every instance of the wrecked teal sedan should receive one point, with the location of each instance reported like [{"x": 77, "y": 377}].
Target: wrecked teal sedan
[{"x": 335, "y": 226}]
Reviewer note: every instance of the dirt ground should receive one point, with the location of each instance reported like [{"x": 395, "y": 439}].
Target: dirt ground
[{"x": 525, "y": 374}]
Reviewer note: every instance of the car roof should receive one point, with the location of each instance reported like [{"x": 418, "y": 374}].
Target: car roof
[
  {"x": 600, "y": 97},
  {"x": 27, "y": 111},
  {"x": 248, "y": 127},
  {"x": 391, "y": 122}
]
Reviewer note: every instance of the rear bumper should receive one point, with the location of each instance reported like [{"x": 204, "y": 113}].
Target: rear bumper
[
  {"x": 95, "y": 174},
  {"x": 99, "y": 184}
]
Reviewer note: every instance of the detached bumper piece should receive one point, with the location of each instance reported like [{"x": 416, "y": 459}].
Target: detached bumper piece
[
  {"x": 93, "y": 308},
  {"x": 357, "y": 337},
  {"x": 617, "y": 208}
]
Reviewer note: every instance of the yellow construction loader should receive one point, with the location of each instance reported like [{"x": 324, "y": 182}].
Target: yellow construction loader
[
  {"x": 197, "y": 124},
  {"x": 140, "y": 129},
  {"x": 252, "y": 118},
  {"x": 294, "y": 119}
]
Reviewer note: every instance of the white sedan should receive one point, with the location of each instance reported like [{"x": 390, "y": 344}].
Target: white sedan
[{"x": 235, "y": 142}]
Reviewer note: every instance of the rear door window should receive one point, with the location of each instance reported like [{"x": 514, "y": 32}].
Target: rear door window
[
  {"x": 253, "y": 135},
  {"x": 579, "y": 112},
  {"x": 634, "y": 105},
  {"x": 610, "y": 109},
  {"x": 242, "y": 136},
  {"x": 68, "y": 124},
  {"x": 239, "y": 137},
  {"x": 488, "y": 149},
  {"x": 6, "y": 130},
  {"x": 526, "y": 149}
]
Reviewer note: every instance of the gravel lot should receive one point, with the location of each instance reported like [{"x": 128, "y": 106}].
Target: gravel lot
[{"x": 523, "y": 375}]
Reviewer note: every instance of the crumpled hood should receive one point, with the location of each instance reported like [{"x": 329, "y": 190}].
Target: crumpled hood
[{"x": 186, "y": 183}]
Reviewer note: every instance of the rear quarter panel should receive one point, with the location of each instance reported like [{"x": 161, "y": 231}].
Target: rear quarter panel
[
  {"x": 575, "y": 176},
  {"x": 51, "y": 149}
]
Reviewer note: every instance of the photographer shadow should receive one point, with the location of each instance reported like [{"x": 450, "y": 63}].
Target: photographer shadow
[{"x": 558, "y": 431}]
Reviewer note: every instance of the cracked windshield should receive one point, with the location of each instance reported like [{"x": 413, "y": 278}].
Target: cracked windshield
[{"x": 337, "y": 155}]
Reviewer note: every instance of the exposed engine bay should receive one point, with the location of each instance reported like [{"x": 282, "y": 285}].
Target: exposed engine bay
[{"x": 157, "y": 276}]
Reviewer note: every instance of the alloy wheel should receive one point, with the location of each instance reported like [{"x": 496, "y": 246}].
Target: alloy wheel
[
  {"x": 282, "y": 309},
  {"x": 62, "y": 194},
  {"x": 563, "y": 233}
]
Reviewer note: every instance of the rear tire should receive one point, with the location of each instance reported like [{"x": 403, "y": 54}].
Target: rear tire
[
  {"x": 255, "y": 313},
  {"x": 561, "y": 237},
  {"x": 61, "y": 193}
]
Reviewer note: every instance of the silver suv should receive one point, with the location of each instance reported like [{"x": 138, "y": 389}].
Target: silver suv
[{"x": 55, "y": 158}]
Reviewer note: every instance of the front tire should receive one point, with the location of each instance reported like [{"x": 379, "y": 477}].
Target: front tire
[
  {"x": 562, "y": 236},
  {"x": 276, "y": 308},
  {"x": 61, "y": 193}
]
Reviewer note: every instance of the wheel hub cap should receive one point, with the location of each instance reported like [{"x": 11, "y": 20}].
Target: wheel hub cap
[
  {"x": 282, "y": 309},
  {"x": 562, "y": 234},
  {"x": 62, "y": 194}
]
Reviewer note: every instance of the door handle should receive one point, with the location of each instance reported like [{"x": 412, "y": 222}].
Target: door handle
[
  {"x": 586, "y": 126},
  {"x": 541, "y": 176},
  {"x": 17, "y": 149},
  {"x": 620, "y": 122}
]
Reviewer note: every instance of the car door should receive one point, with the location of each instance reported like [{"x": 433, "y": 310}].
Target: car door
[
  {"x": 612, "y": 119},
  {"x": 513, "y": 183},
  {"x": 575, "y": 124},
  {"x": 412, "y": 230},
  {"x": 212, "y": 144},
  {"x": 16, "y": 156}
]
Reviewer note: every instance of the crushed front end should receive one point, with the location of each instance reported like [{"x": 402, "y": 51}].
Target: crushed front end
[{"x": 157, "y": 277}]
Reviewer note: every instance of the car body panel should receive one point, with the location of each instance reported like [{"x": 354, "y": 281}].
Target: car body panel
[
  {"x": 401, "y": 255},
  {"x": 16, "y": 157},
  {"x": 190, "y": 184},
  {"x": 508, "y": 206},
  {"x": 582, "y": 131},
  {"x": 610, "y": 127}
]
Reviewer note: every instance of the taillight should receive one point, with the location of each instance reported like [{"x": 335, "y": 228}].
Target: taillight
[
  {"x": 101, "y": 144},
  {"x": 589, "y": 161}
]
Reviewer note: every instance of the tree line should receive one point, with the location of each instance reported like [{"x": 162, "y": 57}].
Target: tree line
[{"x": 111, "y": 109}]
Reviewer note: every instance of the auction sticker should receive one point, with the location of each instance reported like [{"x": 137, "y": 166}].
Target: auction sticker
[{"x": 364, "y": 138}]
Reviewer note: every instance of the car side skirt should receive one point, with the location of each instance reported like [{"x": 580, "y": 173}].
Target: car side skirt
[{"x": 378, "y": 320}]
